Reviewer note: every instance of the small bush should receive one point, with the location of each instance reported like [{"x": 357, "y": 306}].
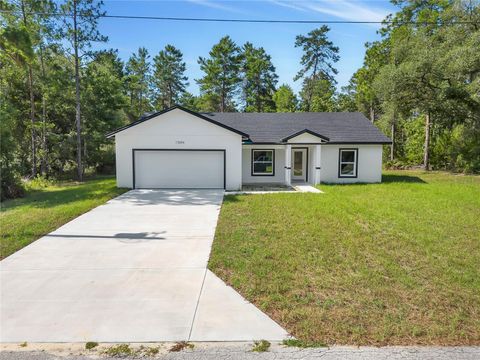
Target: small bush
[
  {"x": 181, "y": 346},
  {"x": 90, "y": 345},
  {"x": 120, "y": 350},
  {"x": 38, "y": 182},
  {"x": 261, "y": 346},
  {"x": 24, "y": 344}
]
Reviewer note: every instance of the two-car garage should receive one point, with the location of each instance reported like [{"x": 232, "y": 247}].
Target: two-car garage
[
  {"x": 178, "y": 149},
  {"x": 178, "y": 168}
]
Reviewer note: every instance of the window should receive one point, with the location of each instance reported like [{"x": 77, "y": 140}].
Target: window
[
  {"x": 348, "y": 163},
  {"x": 263, "y": 162}
]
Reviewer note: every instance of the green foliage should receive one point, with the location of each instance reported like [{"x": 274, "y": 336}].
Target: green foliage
[
  {"x": 285, "y": 99},
  {"x": 259, "y": 79},
  {"x": 261, "y": 346},
  {"x": 429, "y": 69},
  {"x": 137, "y": 81},
  {"x": 317, "y": 72},
  {"x": 120, "y": 350},
  {"x": 221, "y": 81},
  {"x": 90, "y": 345},
  {"x": 169, "y": 77}
]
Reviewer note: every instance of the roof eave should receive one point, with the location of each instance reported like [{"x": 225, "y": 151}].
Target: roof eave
[{"x": 141, "y": 120}]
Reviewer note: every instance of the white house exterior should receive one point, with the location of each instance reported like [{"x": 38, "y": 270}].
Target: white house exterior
[{"x": 178, "y": 148}]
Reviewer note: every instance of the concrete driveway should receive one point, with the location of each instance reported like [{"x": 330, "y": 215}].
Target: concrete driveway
[{"x": 132, "y": 270}]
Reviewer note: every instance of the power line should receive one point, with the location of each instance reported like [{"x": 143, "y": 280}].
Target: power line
[{"x": 260, "y": 21}]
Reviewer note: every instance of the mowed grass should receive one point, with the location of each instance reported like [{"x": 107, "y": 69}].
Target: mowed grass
[
  {"x": 44, "y": 209},
  {"x": 373, "y": 264}
]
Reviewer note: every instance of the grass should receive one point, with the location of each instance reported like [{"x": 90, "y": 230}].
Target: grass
[
  {"x": 396, "y": 263},
  {"x": 44, "y": 209},
  {"x": 261, "y": 346},
  {"x": 90, "y": 345}
]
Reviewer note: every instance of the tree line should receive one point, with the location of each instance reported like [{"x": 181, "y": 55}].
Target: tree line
[{"x": 419, "y": 84}]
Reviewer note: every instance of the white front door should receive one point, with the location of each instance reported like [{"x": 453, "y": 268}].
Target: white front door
[{"x": 299, "y": 164}]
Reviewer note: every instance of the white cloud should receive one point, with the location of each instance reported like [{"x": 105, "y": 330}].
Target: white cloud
[
  {"x": 350, "y": 10},
  {"x": 215, "y": 5}
]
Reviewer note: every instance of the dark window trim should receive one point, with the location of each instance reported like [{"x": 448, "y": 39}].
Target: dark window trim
[
  {"x": 340, "y": 161},
  {"x": 306, "y": 164},
  {"x": 273, "y": 162},
  {"x": 205, "y": 150}
]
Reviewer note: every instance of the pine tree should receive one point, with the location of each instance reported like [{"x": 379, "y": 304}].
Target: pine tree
[
  {"x": 318, "y": 57},
  {"x": 220, "y": 84},
  {"x": 138, "y": 83},
  {"x": 80, "y": 28},
  {"x": 259, "y": 79},
  {"x": 169, "y": 79}
]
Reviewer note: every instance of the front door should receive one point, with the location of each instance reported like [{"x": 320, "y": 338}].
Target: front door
[{"x": 299, "y": 168}]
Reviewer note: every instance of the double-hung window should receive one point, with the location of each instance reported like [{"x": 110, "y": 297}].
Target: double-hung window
[
  {"x": 348, "y": 163},
  {"x": 263, "y": 162}
]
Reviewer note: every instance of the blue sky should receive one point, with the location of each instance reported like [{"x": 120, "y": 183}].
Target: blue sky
[{"x": 195, "y": 39}]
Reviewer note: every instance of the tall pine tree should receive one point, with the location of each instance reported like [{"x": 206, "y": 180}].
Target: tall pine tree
[
  {"x": 221, "y": 82},
  {"x": 169, "y": 79},
  {"x": 319, "y": 55},
  {"x": 259, "y": 79}
]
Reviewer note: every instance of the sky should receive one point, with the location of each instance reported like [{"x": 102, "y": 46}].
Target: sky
[{"x": 196, "y": 39}]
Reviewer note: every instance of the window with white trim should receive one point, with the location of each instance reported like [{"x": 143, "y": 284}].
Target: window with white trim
[
  {"x": 348, "y": 163},
  {"x": 263, "y": 162}
]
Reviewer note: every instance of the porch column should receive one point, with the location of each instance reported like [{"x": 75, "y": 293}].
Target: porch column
[
  {"x": 288, "y": 164},
  {"x": 318, "y": 157}
]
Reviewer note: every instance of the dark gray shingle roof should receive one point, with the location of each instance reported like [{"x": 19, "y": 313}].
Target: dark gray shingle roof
[{"x": 339, "y": 127}]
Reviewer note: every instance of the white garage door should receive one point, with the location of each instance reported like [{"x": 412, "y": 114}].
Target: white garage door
[{"x": 173, "y": 169}]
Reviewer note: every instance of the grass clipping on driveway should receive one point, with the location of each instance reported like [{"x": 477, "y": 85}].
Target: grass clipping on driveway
[
  {"x": 44, "y": 209},
  {"x": 395, "y": 263}
]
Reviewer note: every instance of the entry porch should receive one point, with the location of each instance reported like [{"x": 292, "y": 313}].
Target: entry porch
[{"x": 286, "y": 164}]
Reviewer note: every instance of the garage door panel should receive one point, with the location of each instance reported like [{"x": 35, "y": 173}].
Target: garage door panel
[{"x": 179, "y": 169}]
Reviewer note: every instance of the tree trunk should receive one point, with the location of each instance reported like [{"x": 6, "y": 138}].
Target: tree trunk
[
  {"x": 32, "y": 121},
  {"x": 372, "y": 114},
  {"x": 43, "y": 164},
  {"x": 77, "y": 95},
  {"x": 32, "y": 102},
  {"x": 426, "y": 150},
  {"x": 392, "y": 147}
]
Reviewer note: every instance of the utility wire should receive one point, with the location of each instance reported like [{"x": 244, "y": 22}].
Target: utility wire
[{"x": 263, "y": 21}]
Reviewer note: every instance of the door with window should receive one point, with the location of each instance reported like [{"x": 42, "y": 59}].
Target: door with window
[{"x": 299, "y": 164}]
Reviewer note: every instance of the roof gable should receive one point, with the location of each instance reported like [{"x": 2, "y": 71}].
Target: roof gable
[
  {"x": 300, "y": 136},
  {"x": 158, "y": 113}
]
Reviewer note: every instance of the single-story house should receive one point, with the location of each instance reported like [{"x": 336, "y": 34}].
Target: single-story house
[{"x": 180, "y": 148}]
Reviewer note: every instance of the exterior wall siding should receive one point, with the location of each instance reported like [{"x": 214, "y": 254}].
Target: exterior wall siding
[
  {"x": 178, "y": 130},
  {"x": 369, "y": 164},
  {"x": 279, "y": 176}
]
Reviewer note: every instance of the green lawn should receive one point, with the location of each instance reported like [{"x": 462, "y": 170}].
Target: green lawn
[
  {"x": 45, "y": 209},
  {"x": 390, "y": 263}
]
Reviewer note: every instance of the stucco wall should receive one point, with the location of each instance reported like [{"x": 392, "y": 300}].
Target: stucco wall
[
  {"x": 369, "y": 163},
  {"x": 247, "y": 177},
  {"x": 178, "y": 130}
]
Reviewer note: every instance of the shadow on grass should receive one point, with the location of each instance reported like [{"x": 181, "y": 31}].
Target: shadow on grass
[
  {"x": 69, "y": 192},
  {"x": 402, "y": 179},
  {"x": 230, "y": 198}
]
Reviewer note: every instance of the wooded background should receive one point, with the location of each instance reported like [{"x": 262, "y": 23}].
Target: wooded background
[{"x": 420, "y": 84}]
